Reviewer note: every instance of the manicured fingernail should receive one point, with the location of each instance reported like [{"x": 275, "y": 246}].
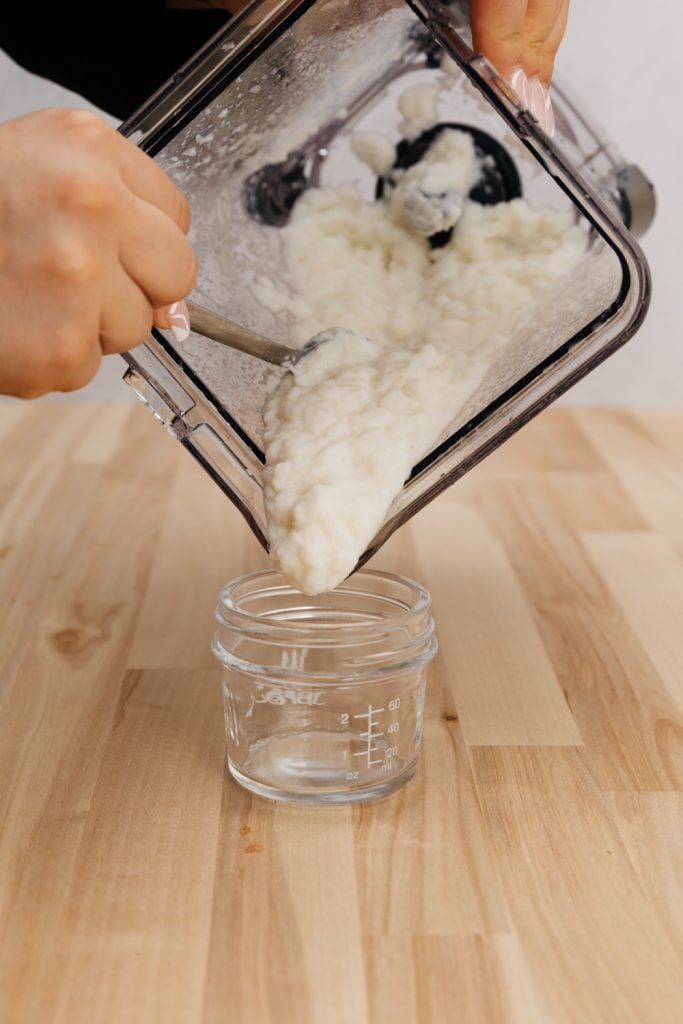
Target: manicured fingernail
[
  {"x": 541, "y": 106},
  {"x": 520, "y": 83},
  {"x": 179, "y": 321}
]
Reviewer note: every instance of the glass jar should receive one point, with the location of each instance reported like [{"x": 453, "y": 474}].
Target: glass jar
[{"x": 324, "y": 695}]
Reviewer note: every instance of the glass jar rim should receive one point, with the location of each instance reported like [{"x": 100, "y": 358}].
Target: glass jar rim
[
  {"x": 407, "y": 618},
  {"x": 228, "y": 604}
]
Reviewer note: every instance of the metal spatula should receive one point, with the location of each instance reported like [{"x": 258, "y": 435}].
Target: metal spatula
[{"x": 212, "y": 325}]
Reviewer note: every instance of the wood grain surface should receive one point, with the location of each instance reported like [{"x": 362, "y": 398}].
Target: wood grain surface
[{"x": 532, "y": 871}]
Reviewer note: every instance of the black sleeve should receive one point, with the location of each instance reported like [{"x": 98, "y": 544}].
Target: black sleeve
[{"x": 114, "y": 53}]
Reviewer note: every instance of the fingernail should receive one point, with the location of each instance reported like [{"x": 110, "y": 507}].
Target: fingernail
[
  {"x": 179, "y": 321},
  {"x": 520, "y": 83},
  {"x": 540, "y": 106}
]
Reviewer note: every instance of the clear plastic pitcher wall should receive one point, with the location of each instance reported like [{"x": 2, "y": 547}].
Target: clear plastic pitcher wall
[{"x": 266, "y": 111}]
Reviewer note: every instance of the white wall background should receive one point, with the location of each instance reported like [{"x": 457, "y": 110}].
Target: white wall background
[{"x": 624, "y": 61}]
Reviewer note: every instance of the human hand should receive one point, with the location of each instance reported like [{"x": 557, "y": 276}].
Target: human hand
[
  {"x": 521, "y": 39},
  {"x": 92, "y": 249}
]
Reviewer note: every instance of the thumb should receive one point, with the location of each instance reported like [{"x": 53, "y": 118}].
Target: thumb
[{"x": 175, "y": 318}]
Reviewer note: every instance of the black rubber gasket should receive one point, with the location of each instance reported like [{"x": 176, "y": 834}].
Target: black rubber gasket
[{"x": 499, "y": 181}]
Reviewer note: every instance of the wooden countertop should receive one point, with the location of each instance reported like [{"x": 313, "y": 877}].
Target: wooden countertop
[{"x": 532, "y": 872}]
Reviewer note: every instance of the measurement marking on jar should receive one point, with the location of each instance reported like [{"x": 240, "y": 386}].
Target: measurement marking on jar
[
  {"x": 369, "y": 713},
  {"x": 370, "y": 735}
]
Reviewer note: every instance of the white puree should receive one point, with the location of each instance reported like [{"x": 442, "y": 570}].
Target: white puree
[
  {"x": 431, "y": 194},
  {"x": 418, "y": 106},
  {"x": 374, "y": 149},
  {"x": 343, "y": 431}
]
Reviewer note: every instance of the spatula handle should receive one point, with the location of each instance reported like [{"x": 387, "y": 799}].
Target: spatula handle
[{"x": 212, "y": 325}]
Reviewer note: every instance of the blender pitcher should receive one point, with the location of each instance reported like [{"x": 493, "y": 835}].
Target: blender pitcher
[{"x": 264, "y": 112}]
